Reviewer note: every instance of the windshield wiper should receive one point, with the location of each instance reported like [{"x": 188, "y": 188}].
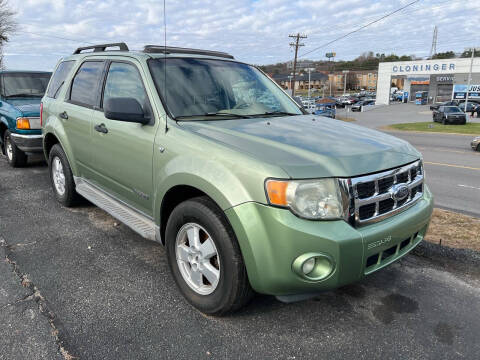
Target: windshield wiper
[
  {"x": 279, "y": 113},
  {"x": 23, "y": 95},
  {"x": 212, "y": 114}
]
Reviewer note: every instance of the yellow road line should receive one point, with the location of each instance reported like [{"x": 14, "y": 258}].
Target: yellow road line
[
  {"x": 452, "y": 151},
  {"x": 451, "y": 165}
]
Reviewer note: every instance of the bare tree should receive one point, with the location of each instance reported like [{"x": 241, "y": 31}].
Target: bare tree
[{"x": 8, "y": 25}]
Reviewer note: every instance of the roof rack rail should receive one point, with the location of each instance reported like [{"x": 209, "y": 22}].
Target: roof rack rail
[
  {"x": 178, "y": 50},
  {"x": 102, "y": 47}
]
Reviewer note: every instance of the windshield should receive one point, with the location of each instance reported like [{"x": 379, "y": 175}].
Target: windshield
[
  {"x": 24, "y": 84},
  {"x": 196, "y": 88},
  {"x": 452, "y": 109}
]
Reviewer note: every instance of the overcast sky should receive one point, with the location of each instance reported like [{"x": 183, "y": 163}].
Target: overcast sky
[{"x": 255, "y": 31}]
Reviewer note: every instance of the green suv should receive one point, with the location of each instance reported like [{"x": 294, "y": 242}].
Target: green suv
[{"x": 211, "y": 158}]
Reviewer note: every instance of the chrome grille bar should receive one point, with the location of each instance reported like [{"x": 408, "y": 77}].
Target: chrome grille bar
[{"x": 414, "y": 186}]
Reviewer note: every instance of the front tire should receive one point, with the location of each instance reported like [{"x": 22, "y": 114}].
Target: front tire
[
  {"x": 15, "y": 156},
  {"x": 205, "y": 259},
  {"x": 61, "y": 177}
]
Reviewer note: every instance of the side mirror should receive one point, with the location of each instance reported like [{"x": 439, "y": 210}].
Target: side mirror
[{"x": 125, "y": 109}]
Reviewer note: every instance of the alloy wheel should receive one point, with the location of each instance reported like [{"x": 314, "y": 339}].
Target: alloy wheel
[
  {"x": 58, "y": 176},
  {"x": 197, "y": 258}
]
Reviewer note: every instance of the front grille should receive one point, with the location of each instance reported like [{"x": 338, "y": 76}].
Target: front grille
[{"x": 378, "y": 196}]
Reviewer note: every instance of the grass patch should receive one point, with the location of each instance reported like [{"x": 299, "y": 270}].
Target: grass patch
[
  {"x": 345, "y": 118},
  {"x": 431, "y": 127},
  {"x": 454, "y": 230}
]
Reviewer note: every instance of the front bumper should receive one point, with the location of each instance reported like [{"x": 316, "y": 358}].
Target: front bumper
[
  {"x": 457, "y": 120},
  {"x": 27, "y": 142},
  {"x": 272, "y": 238}
]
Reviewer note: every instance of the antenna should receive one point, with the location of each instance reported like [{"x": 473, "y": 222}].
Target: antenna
[
  {"x": 165, "y": 62},
  {"x": 433, "y": 50}
]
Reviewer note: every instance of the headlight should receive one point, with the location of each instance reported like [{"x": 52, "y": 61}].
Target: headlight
[{"x": 309, "y": 199}]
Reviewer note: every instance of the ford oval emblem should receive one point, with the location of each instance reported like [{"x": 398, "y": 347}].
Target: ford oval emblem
[{"x": 399, "y": 192}]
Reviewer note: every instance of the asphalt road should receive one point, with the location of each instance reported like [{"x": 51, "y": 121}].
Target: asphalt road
[
  {"x": 452, "y": 167},
  {"x": 97, "y": 290}
]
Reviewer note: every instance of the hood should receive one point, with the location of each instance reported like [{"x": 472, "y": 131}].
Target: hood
[
  {"x": 308, "y": 146},
  {"x": 27, "y": 106}
]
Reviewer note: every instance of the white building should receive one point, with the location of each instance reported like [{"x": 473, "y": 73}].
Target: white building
[{"x": 444, "y": 79}]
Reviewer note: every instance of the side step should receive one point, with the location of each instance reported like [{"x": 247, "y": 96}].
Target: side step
[{"x": 138, "y": 222}]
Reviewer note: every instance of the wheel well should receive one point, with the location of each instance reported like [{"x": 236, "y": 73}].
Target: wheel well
[
  {"x": 172, "y": 198},
  {"x": 48, "y": 143}
]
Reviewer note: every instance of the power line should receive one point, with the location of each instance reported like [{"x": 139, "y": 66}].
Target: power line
[
  {"x": 360, "y": 28},
  {"x": 54, "y": 37}
]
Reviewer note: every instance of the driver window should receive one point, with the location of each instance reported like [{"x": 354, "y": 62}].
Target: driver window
[{"x": 123, "y": 80}]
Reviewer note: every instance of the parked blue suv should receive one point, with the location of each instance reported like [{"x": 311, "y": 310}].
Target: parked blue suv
[{"x": 20, "y": 127}]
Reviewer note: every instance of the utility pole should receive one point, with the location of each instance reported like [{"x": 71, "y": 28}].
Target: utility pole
[
  {"x": 345, "y": 74},
  {"x": 296, "y": 44},
  {"x": 309, "y": 71},
  {"x": 433, "y": 49},
  {"x": 469, "y": 79}
]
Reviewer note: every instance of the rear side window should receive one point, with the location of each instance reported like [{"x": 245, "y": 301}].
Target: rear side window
[
  {"x": 85, "y": 83},
  {"x": 58, "y": 78}
]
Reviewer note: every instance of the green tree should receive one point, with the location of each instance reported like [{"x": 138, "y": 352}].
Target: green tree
[{"x": 444, "y": 55}]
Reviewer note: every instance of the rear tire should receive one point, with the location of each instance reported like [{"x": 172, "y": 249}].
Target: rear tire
[
  {"x": 227, "y": 292},
  {"x": 15, "y": 156},
  {"x": 61, "y": 177}
]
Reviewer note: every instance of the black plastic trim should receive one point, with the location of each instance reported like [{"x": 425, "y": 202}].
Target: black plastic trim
[{"x": 102, "y": 47}]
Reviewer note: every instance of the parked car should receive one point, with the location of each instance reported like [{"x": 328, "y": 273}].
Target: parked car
[
  {"x": 471, "y": 106},
  {"x": 476, "y": 143},
  {"x": 445, "y": 103},
  {"x": 20, "y": 130},
  {"x": 346, "y": 100},
  {"x": 358, "y": 106},
  {"x": 449, "y": 115},
  {"x": 245, "y": 197},
  {"x": 327, "y": 110}
]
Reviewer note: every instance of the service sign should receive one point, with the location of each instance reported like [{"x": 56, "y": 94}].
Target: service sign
[{"x": 460, "y": 91}]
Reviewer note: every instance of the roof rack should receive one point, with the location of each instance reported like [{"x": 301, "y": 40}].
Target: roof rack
[
  {"x": 178, "y": 50},
  {"x": 101, "y": 47}
]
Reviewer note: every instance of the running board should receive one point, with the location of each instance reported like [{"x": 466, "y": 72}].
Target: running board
[{"x": 136, "y": 221}]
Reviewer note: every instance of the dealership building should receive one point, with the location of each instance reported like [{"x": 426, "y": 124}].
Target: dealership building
[{"x": 444, "y": 79}]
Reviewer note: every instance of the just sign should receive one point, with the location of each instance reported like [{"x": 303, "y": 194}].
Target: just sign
[{"x": 423, "y": 67}]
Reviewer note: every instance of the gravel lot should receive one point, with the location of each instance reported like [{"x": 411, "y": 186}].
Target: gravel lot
[{"x": 96, "y": 290}]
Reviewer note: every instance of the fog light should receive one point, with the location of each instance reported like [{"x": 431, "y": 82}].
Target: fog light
[
  {"x": 308, "y": 266},
  {"x": 313, "y": 266}
]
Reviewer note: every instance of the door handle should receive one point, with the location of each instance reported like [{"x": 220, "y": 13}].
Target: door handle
[
  {"x": 101, "y": 128},
  {"x": 63, "y": 115}
]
